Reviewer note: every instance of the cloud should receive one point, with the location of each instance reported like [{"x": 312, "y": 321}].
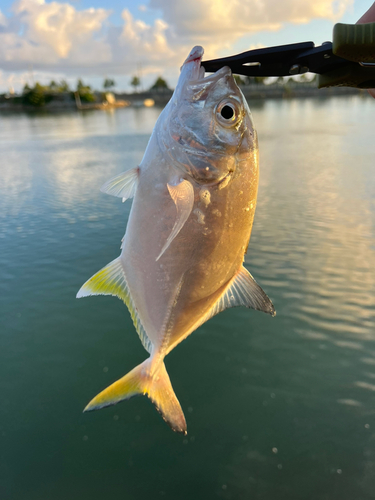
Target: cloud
[
  {"x": 51, "y": 35},
  {"x": 58, "y": 26},
  {"x": 144, "y": 40},
  {"x": 57, "y": 36},
  {"x": 235, "y": 18},
  {"x": 3, "y": 20}
]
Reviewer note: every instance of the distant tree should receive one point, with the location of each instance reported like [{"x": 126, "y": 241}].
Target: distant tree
[
  {"x": 260, "y": 79},
  {"x": 306, "y": 78},
  {"x": 39, "y": 88},
  {"x": 108, "y": 83},
  {"x": 80, "y": 84},
  {"x": 239, "y": 80},
  {"x": 255, "y": 79},
  {"x": 36, "y": 96},
  {"x": 53, "y": 86},
  {"x": 26, "y": 88},
  {"x": 135, "y": 82},
  {"x": 85, "y": 92},
  {"x": 281, "y": 80},
  {"x": 63, "y": 86},
  {"x": 160, "y": 83}
]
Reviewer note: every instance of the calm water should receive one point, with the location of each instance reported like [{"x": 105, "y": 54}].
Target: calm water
[{"x": 277, "y": 408}]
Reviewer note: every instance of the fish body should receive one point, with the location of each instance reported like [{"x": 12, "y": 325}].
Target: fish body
[{"x": 188, "y": 230}]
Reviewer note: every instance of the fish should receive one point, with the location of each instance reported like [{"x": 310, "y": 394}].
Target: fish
[{"x": 181, "y": 263}]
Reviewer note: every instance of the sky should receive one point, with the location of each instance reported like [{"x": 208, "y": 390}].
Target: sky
[{"x": 43, "y": 40}]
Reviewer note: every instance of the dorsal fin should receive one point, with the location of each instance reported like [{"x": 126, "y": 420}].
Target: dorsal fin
[
  {"x": 123, "y": 185},
  {"x": 111, "y": 280},
  {"x": 183, "y": 197}
]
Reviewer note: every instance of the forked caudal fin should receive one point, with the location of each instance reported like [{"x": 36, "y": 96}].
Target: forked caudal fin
[{"x": 157, "y": 387}]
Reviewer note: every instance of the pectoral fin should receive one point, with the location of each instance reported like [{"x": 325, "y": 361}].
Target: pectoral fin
[
  {"x": 183, "y": 197},
  {"x": 123, "y": 185}
]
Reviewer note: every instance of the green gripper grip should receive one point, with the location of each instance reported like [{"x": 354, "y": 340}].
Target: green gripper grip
[{"x": 355, "y": 43}]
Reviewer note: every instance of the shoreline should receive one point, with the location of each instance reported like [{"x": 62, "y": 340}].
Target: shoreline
[{"x": 62, "y": 102}]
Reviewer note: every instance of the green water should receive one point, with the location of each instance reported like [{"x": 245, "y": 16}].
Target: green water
[{"x": 277, "y": 408}]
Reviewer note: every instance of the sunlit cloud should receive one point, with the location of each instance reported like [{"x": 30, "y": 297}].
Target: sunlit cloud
[
  {"x": 233, "y": 19},
  {"x": 58, "y": 26},
  {"x": 59, "y": 37},
  {"x": 143, "y": 40},
  {"x": 3, "y": 20}
]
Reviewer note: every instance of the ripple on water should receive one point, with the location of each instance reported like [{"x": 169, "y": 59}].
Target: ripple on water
[{"x": 313, "y": 251}]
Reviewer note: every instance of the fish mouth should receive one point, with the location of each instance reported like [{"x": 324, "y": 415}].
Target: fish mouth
[
  {"x": 196, "y": 54},
  {"x": 192, "y": 64},
  {"x": 211, "y": 78},
  {"x": 197, "y": 71},
  {"x": 201, "y": 85},
  {"x": 223, "y": 72}
]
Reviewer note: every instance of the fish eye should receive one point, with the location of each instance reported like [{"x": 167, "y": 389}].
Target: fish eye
[{"x": 228, "y": 113}]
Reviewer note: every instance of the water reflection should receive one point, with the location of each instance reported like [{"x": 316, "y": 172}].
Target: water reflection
[
  {"x": 301, "y": 384},
  {"x": 328, "y": 233}
]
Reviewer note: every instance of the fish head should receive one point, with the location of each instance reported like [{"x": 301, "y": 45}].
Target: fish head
[{"x": 208, "y": 130}]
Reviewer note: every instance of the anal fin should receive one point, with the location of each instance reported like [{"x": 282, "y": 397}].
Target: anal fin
[{"x": 243, "y": 290}]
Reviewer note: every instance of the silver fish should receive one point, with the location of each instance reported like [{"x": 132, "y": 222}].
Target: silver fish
[{"x": 188, "y": 230}]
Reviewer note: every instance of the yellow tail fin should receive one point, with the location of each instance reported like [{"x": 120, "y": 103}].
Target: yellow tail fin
[{"x": 157, "y": 387}]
